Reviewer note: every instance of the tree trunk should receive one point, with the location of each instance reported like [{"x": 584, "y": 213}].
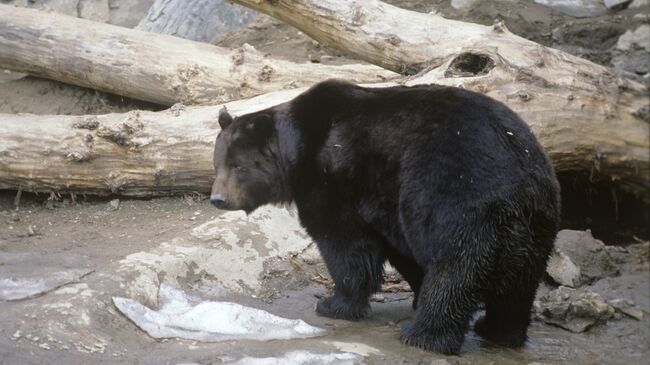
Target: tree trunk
[
  {"x": 147, "y": 66},
  {"x": 197, "y": 20},
  {"x": 599, "y": 120},
  {"x": 157, "y": 153}
]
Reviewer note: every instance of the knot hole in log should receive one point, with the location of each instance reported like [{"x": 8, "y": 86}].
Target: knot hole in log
[{"x": 470, "y": 64}]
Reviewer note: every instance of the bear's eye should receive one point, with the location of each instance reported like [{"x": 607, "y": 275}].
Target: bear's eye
[{"x": 239, "y": 168}]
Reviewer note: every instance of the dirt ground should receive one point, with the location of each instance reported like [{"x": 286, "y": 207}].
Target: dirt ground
[
  {"x": 78, "y": 324},
  {"x": 128, "y": 247}
]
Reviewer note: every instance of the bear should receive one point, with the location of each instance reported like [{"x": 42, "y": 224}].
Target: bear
[{"x": 447, "y": 185}]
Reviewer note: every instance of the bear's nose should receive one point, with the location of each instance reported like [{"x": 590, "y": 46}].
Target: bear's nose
[{"x": 218, "y": 200}]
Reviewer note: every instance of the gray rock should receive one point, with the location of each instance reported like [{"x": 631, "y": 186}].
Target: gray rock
[
  {"x": 462, "y": 4},
  {"x": 616, "y": 4},
  {"x": 114, "y": 204},
  {"x": 442, "y": 362},
  {"x": 631, "y": 53},
  {"x": 635, "y": 39},
  {"x": 574, "y": 310},
  {"x": 639, "y": 3},
  {"x": 628, "y": 308},
  {"x": 577, "y": 8},
  {"x": 563, "y": 270},
  {"x": 579, "y": 259}
]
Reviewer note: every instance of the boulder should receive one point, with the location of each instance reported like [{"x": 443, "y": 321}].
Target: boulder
[
  {"x": 573, "y": 309},
  {"x": 579, "y": 259}
]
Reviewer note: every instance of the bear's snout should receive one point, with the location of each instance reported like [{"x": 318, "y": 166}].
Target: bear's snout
[{"x": 219, "y": 200}]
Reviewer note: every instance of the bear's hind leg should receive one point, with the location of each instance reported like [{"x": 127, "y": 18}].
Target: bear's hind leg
[
  {"x": 445, "y": 305},
  {"x": 508, "y": 310},
  {"x": 357, "y": 270}
]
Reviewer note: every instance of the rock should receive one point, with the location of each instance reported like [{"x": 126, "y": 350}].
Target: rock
[
  {"x": 628, "y": 308},
  {"x": 631, "y": 52},
  {"x": 572, "y": 309},
  {"x": 266, "y": 235},
  {"x": 616, "y": 4},
  {"x": 114, "y": 204},
  {"x": 638, "y": 38},
  {"x": 462, "y": 4},
  {"x": 442, "y": 362},
  {"x": 579, "y": 259},
  {"x": 639, "y": 3},
  {"x": 576, "y": 8},
  {"x": 563, "y": 270}
]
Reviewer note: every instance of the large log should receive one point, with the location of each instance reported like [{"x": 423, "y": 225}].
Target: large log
[
  {"x": 147, "y": 66},
  {"x": 601, "y": 118},
  {"x": 139, "y": 153},
  {"x": 156, "y": 153}
]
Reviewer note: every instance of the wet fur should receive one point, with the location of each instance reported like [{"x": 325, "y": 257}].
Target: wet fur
[{"x": 449, "y": 186}]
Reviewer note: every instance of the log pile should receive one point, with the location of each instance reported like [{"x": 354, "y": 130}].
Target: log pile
[{"x": 589, "y": 119}]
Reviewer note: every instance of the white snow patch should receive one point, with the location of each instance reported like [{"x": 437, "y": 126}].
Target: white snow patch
[
  {"x": 17, "y": 288},
  {"x": 302, "y": 358},
  {"x": 210, "y": 321}
]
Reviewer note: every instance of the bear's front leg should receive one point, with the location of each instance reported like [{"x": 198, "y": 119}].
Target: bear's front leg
[{"x": 356, "y": 266}]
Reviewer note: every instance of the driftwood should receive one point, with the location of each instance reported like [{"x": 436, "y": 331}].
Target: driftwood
[
  {"x": 155, "y": 153},
  {"x": 147, "y": 66},
  {"x": 197, "y": 20}
]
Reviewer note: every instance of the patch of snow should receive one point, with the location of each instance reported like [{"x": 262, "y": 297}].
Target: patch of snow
[
  {"x": 18, "y": 288},
  {"x": 210, "y": 321},
  {"x": 302, "y": 358}
]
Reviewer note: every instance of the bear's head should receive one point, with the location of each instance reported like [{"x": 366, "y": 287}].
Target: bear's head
[{"x": 246, "y": 162}]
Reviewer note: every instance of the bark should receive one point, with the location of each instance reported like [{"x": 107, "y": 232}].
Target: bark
[
  {"x": 197, "y": 20},
  {"x": 157, "y": 153},
  {"x": 152, "y": 67},
  {"x": 599, "y": 121}
]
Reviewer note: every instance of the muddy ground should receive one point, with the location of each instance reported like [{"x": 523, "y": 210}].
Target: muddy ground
[{"x": 127, "y": 247}]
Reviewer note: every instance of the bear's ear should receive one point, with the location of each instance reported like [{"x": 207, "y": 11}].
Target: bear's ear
[
  {"x": 225, "y": 119},
  {"x": 260, "y": 126}
]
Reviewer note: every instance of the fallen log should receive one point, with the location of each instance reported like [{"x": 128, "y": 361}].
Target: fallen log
[
  {"x": 139, "y": 153},
  {"x": 147, "y": 66},
  {"x": 158, "y": 153}
]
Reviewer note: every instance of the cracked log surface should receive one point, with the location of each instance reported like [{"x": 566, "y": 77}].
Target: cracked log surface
[
  {"x": 158, "y": 153},
  {"x": 152, "y": 67},
  {"x": 598, "y": 122}
]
